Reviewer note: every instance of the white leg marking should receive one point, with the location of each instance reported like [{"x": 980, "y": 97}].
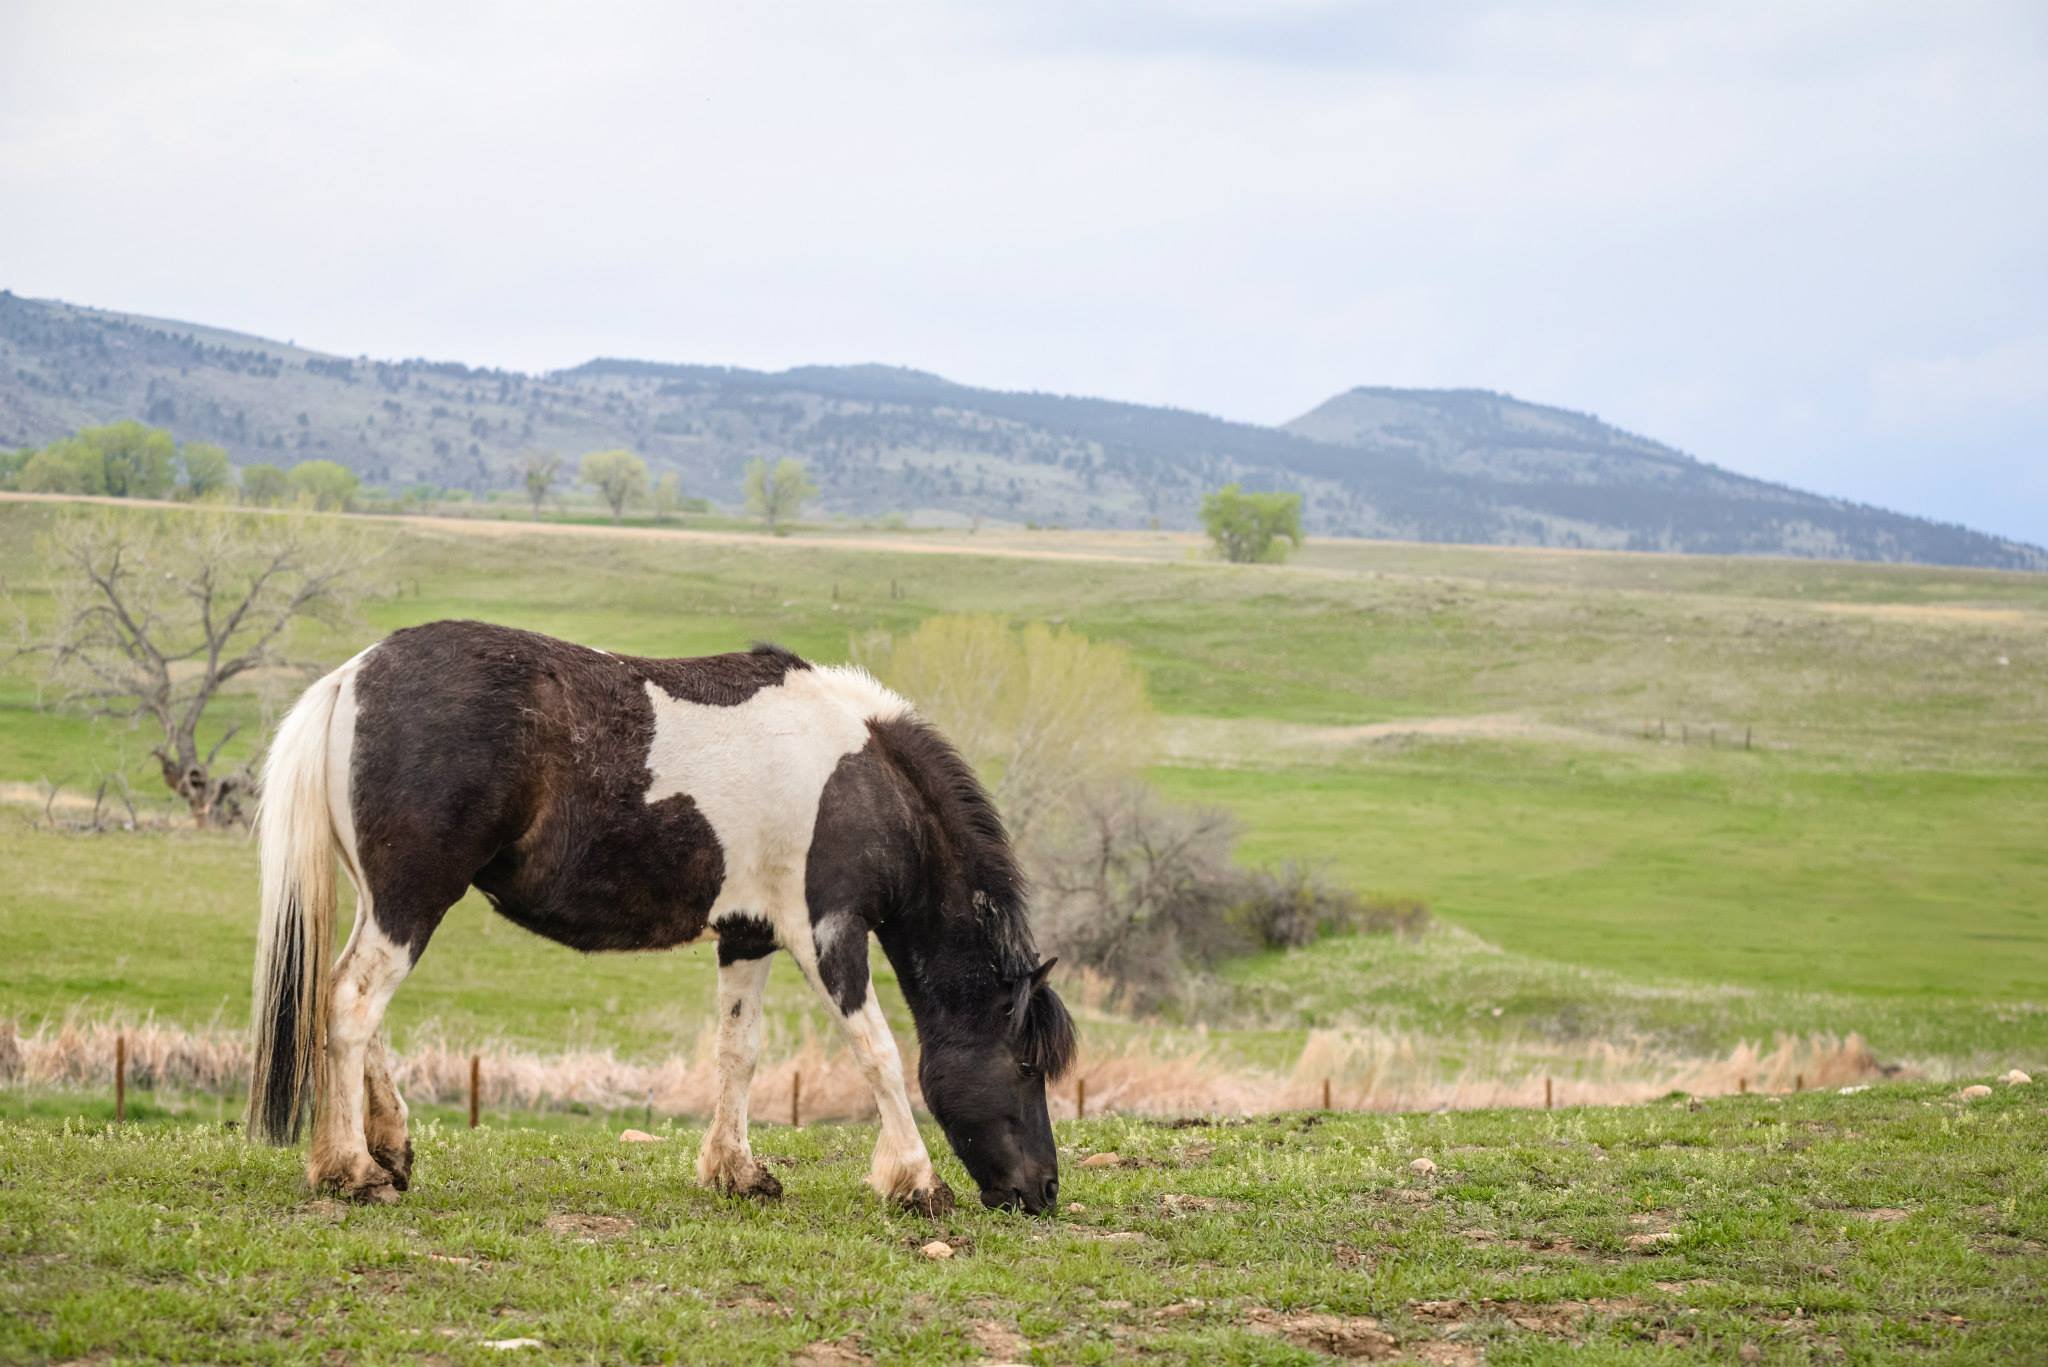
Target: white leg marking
[
  {"x": 726, "y": 1162},
  {"x": 370, "y": 970},
  {"x": 902, "y": 1168}
]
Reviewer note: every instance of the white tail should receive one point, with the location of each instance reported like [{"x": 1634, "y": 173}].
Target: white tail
[{"x": 295, "y": 937}]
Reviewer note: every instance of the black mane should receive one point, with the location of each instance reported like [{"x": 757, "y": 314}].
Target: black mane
[{"x": 974, "y": 833}]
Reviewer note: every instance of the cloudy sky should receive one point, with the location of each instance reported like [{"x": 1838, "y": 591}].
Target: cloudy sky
[{"x": 1805, "y": 241}]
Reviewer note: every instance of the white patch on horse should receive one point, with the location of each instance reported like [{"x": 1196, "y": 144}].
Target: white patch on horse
[{"x": 756, "y": 772}]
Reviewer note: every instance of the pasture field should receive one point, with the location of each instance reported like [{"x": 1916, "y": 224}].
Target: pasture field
[
  {"x": 1476, "y": 728},
  {"x": 1900, "y": 1222}
]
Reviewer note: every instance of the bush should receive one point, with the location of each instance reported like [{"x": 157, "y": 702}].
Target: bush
[
  {"x": 1292, "y": 906},
  {"x": 1044, "y": 713},
  {"x": 1144, "y": 893}
]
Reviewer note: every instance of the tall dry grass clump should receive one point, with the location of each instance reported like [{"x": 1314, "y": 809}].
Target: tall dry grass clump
[{"x": 1366, "y": 1070}]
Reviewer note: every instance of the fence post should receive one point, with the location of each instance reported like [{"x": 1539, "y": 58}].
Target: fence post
[
  {"x": 1742, "y": 1085},
  {"x": 796, "y": 1098},
  {"x": 1799, "y": 1082},
  {"x": 120, "y": 1079},
  {"x": 476, "y": 1075},
  {"x": 1326, "y": 1094},
  {"x": 1080, "y": 1098},
  {"x": 1745, "y": 737},
  {"x": 1546, "y": 1094}
]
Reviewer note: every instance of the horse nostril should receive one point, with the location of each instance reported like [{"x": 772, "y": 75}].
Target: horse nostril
[{"x": 1052, "y": 1190}]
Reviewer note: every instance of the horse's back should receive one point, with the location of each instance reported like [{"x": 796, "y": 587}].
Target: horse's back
[{"x": 607, "y": 802}]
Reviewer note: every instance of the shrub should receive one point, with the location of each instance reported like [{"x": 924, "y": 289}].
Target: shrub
[{"x": 1292, "y": 906}]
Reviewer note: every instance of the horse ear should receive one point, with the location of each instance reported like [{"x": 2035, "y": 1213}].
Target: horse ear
[{"x": 1038, "y": 974}]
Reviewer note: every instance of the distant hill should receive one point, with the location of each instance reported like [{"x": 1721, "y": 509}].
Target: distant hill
[{"x": 1434, "y": 465}]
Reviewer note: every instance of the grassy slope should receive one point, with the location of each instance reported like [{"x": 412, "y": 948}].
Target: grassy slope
[
  {"x": 1880, "y": 848},
  {"x": 1894, "y": 1222}
]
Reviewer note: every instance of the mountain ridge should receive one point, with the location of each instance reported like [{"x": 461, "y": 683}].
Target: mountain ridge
[{"x": 1463, "y": 464}]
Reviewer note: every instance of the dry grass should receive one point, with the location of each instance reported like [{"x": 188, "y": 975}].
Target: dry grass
[{"x": 1367, "y": 1070}]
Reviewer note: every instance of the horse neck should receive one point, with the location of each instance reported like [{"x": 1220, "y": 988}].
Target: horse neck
[{"x": 947, "y": 962}]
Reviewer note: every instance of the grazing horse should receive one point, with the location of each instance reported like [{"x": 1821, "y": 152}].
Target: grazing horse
[{"x": 611, "y": 802}]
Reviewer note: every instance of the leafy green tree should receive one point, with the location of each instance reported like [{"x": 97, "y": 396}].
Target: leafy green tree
[
  {"x": 777, "y": 495},
  {"x": 618, "y": 475},
  {"x": 10, "y": 467},
  {"x": 124, "y": 460},
  {"x": 266, "y": 486},
  {"x": 207, "y": 470},
  {"x": 539, "y": 470},
  {"x": 62, "y": 467},
  {"x": 1044, "y": 711},
  {"x": 330, "y": 487},
  {"x": 1248, "y": 528},
  {"x": 668, "y": 496}
]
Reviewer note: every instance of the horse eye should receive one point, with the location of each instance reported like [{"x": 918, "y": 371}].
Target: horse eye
[{"x": 1026, "y": 1071}]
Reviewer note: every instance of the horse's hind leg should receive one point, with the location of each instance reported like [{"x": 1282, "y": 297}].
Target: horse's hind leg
[
  {"x": 726, "y": 1163},
  {"x": 369, "y": 972},
  {"x": 384, "y": 1120}
]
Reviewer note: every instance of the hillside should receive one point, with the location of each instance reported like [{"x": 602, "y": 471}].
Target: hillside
[{"x": 1431, "y": 465}]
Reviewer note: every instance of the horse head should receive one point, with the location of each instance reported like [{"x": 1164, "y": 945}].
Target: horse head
[{"x": 984, "y": 1079}]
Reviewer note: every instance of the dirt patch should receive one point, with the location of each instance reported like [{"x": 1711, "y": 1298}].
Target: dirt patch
[
  {"x": 1443, "y": 1352},
  {"x": 1175, "y": 1203},
  {"x": 1939, "y": 614},
  {"x": 831, "y": 1353},
  {"x": 1344, "y": 1336},
  {"x": 997, "y": 1340},
  {"x": 1883, "y": 1215},
  {"x": 589, "y": 1228},
  {"x": 1556, "y": 1319},
  {"x": 1355, "y": 1259},
  {"x": 1541, "y": 1243}
]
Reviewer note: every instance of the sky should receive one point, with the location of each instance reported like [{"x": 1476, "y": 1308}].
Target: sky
[{"x": 1805, "y": 241}]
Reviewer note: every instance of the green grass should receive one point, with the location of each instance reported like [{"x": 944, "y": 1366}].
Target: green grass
[
  {"x": 1899, "y": 1222},
  {"x": 1907, "y": 883}
]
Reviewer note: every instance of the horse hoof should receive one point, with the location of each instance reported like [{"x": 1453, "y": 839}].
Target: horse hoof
[
  {"x": 935, "y": 1200},
  {"x": 399, "y": 1165},
  {"x": 760, "y": 1185},
  {"x": 374, "y": 1193}
]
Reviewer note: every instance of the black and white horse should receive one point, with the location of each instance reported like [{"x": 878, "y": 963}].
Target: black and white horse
[{"x": 610, "y": 802}]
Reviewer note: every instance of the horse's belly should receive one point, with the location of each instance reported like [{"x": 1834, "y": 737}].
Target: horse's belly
[{"x": 647, "y": 879}]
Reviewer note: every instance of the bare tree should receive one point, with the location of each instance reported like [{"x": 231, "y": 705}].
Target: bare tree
[{"x": 156, "y": 614}]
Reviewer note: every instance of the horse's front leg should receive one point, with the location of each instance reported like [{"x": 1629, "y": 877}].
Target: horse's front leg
[
  {"x": 726, "y": 1163},
  {"x": 902, "y": 1170}
]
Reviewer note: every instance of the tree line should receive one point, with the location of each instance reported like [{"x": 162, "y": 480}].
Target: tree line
[{"x": 132, "y": 459}]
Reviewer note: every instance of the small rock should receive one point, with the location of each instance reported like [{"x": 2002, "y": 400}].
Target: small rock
[
  {"x": 1076, "y": 1208},
  {"x": 1851, "y": 1091},
  {"x": 511, "y": 1343},
  {"x": 2015, "y": 1078},
  {"x": 1422, "y": 1167},
  {"x": 1749, "y": 1352},
  {"x": 1102, "y": 1160},
  {"x": 1976, "y": 1091},
  {"x": 1651, "y": 1240},
  {"x": 937, "y": 1249},
  {"x": 639, "y": 1137}
]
